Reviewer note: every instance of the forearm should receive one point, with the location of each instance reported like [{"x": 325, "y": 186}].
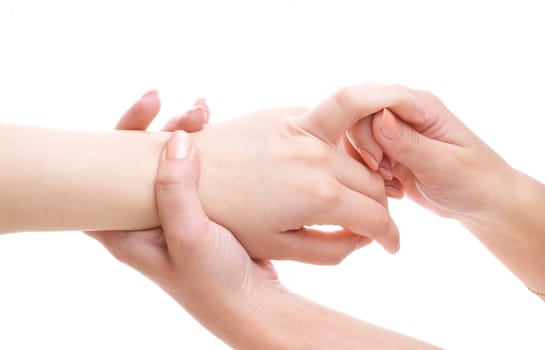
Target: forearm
[
  {"x": 514, "y": 229},
  {"x": 275, "y": 318},
  {"x": 68, "y": 180}
]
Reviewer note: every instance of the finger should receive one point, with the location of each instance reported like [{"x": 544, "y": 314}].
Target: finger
[
  {"x": 394, "y": 188},
  {"x": 417, "y": 152},
  {"x": 201, "y": 102},
  {"x": 366, "y": 217},
  {"x": 402, "y": 174},
  {"x": 358, "y": 178},
  {"x": 441, "y": 124},
  {"x": 181, "y": 215},
  {"x": 141, "y": 113},
  {"x": 331, "y": 118},
  {"x": 346, "y": 147},
  {"x": 385, "y": 167},
  {"x": 362, "y": 138},
  {"x": 192, "y": 120},
  {"x": 313, "y": 246}
]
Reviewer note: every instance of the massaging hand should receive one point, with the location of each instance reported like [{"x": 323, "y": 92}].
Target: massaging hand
[
  {"x": 139, "y": 117},
  {"x": 197, "y": 262},
  {"x": 439, "y": 163}
]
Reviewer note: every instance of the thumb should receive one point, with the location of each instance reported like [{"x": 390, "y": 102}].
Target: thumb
[
  {"x": 405, "y": 145},
  {"x": 181, "y": 215}
]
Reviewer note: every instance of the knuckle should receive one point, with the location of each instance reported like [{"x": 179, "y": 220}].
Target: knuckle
[
  {"x": 317, "y": 153},
  {"x": 404, "y": 94},
  {"x": 327, "y": 193},
  {"x": 428, "y": 94},
  {"x": 345, "y": 97},
  {"x": 165, "y": 176}
]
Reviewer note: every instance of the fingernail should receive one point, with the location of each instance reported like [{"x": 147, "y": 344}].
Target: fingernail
[
  {"x": 385, "y": 173},
  {"x": 362, "y": 242},
  {"x": 197, "y": 111},
  {"x": 394, "y": 192},
  {"x": 178, "y": 146},
  {"x": 389, "y": 125},
  {"x": 200, "y": 102},
  {"x": 151, "y": 92},
  {"x": 421, "y": 109},
  {"x": 368, "y": 158}
]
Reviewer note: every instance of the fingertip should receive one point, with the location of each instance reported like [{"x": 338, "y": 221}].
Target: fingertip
[
  {"x": 151, "y": 92},
  {"x": 388, "y": 125},
  {"x": 201, "y": 102},
  {"x": 394, "y": 188},
  {"x": 178, "y": 146},
  {"x": 385, "y": 173},
  {"x": 151, "y": 98},
  {"x": 369, "y": 160},
  {"x": 392, "y": 243}
]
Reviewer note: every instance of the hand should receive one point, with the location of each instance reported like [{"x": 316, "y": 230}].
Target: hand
[
  {"x": 240, "y": 300},
  {"x": 197, "y": 262},
  {"x": 139, "y": 117},
  {"x": 298, "y": 177},
  {"x": 438, "y": 162}
]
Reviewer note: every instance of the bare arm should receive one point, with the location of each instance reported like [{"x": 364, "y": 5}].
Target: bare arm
[
  {"x": 514, "y": 229},
  {"x": 264, "y": 174},
  {"x": 279, "y": 319},
  {"x": 68, "y": 180}
]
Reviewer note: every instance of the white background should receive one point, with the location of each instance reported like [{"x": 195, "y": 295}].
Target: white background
[{"x": 79, "y": 65}]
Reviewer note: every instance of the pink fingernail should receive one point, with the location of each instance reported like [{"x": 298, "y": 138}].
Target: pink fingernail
[
  {"x": 394, "y": 192},
  {"x": 385, "y": 173},
  {"x": 368, "y": 158},
  {"x": 178, "y": 146},
  {"x": 151, "y": 92},
  {"x": 389, "y": 125}
]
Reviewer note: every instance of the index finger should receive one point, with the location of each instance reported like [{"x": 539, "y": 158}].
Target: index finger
[
  {"x": 336, "y": 114},
  {"x": 141, "y": 113}
]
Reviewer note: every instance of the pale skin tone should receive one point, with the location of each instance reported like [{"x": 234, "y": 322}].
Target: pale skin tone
[
  {"x": 446, "y": 168},
  {"x": 254, "y": 300},
  {"x": 184, "y": 248},
  {"x": 266, "y": 176},
  {"x": 194, "y": 260}
]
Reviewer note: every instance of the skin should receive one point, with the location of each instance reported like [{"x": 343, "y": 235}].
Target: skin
[
  {"x": 194, "y": 260},
  {"x": 267, "y": 177},
  {"x": 443, "y": 166},
  {"x": 254, "y": 299}
]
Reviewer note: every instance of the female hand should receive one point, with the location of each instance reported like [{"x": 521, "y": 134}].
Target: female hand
[
  {"x": 439, "y": 163},
  {"x": 271, "y": 174},
  {"x": 446, "y": 168},
  {"x": 206, "y": 270}
]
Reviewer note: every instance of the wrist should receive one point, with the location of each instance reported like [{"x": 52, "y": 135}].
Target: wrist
[
  {"x": 245, "y": 322},
  {"x": 506, "y": 197}
]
